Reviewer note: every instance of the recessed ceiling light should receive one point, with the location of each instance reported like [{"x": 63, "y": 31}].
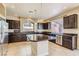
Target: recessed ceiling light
[{"x": 12, "y": 6}]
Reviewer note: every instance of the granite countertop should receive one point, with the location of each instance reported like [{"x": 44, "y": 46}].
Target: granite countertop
[
  {"x": 69, "y": 34},
  {"x": 40, "y": 36},
  {"x": 33, "y": 33},
  {"x": 45, "y": 33}
]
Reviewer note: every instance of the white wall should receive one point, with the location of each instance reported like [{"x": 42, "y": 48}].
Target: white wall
[{"x": 58, "y": 21}]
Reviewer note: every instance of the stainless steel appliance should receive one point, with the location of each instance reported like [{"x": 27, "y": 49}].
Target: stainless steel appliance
[
  {"x": 3, "y": 36},
  {"x": 59, "y": 39}
]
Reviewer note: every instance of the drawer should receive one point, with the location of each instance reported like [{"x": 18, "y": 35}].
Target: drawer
[
  {"x": 67, "y": 40},
  {"x": 67, "y": 44}
]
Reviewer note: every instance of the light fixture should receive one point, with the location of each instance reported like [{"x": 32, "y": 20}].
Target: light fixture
[
  {"x": 33, "y": 14},
  {"x": 39, "y": 18}
]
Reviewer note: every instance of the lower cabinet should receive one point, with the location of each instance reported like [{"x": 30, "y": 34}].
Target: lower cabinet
[
  {"x": 69, "y": 41},
  {"x": 67, "y": 44},
  {"x": 15, "y": 37}
]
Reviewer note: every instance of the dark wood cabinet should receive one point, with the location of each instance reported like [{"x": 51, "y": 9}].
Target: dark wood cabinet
[
  {"x": 44, "y": 25},
  {"x": 10, "y": 24},
  {"x": 69, "y": 41},
  {"x": 66, "y": 22},
  {"x": 17, "y": 24},
  {"x": 16, "y": 37},
  {"x": 14, "y": 24},
  {"x": 70, "y": 22}
]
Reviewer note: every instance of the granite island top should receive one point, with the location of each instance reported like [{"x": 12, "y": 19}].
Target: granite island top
[{"x": 38, "y": 40}]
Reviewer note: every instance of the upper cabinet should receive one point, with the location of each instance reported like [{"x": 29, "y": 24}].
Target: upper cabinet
[
  {"x": 44, "y": 25},
  {"x": 14, "y": 24},
  {"x": 70, "y": 22}
]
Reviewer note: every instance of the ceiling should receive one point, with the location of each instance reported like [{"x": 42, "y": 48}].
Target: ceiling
[{"x": 38, "y": 10}]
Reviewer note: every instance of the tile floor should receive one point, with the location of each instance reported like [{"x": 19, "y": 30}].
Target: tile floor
[{"x": 24, "y": 49}]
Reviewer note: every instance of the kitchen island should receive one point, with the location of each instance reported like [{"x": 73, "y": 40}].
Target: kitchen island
[
  {"x": 40, "y": 45},
  {"x": 39, "y": 41}
]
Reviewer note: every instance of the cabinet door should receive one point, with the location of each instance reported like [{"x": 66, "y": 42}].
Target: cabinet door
[
  {"x": 73, "y": 21},
  {"x": 67, "y": 44},
  {"x": 13, "y": 24},
  {"x": 16, "y": 24},
  {"x": 45, "y": 25},
  {"x": 66, "y": 22},
  {"x": 23, "y": 37}
]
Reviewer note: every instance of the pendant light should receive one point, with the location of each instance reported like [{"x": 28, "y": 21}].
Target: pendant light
[
  {"x": 39, "y": 18},
  {"x": 35, "y": 12}
]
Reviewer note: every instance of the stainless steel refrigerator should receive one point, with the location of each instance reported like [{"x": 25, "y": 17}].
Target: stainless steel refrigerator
[{"x": 3, "y": 36}]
